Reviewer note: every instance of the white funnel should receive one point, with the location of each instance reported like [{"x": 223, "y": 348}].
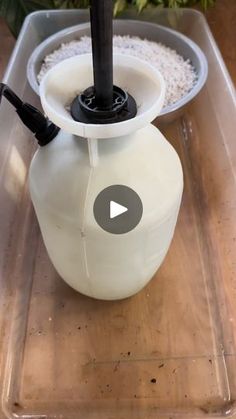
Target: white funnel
[{"x": 72, "y": 76}]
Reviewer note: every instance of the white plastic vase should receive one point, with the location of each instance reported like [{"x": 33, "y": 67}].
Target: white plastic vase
[{"x": 67, "y": 175}]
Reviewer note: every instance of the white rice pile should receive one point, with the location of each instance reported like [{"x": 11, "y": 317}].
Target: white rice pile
[{"x": 180, "y": 76}]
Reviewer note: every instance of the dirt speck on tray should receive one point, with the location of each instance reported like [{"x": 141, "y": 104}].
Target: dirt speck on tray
[{"x": 16, "y": 404}]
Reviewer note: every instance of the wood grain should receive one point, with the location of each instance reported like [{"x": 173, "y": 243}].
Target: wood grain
[
  {"x": 222, "y": 21},
  {"x": 7, "y": 43}
]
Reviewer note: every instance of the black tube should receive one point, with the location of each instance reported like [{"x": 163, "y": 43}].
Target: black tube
[
  {"x": 101, "y": 14},
  {"x": 10, "y": 96},
  {"x": 43, "y": 129}
]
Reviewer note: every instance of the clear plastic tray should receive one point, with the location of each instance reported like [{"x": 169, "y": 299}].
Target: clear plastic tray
[{"x": 170, "y": 350}]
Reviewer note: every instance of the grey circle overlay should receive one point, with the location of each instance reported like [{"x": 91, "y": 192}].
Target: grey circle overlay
[{"x": 122, "y": 195}]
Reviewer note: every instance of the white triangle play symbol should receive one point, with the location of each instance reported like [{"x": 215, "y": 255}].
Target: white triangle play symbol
[{"x": 116, "y": 209}]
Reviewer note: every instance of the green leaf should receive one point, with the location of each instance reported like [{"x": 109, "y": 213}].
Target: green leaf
[
  {"x": 71, "y": 4},
  {"x": 207, "y": 3},
  {"x": 15, "y": 11},
  {"x": 141, "y": 4},
  {"x": 119, "y": 6}
]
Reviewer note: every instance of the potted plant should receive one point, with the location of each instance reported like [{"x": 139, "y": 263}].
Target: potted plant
[{"x": 14, "y": 11}]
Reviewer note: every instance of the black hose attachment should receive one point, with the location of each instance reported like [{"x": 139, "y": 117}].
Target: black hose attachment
[{"x": 43, "y": 129}]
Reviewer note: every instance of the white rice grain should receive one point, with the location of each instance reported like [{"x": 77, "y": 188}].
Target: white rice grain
[{"x": 179, "y": 74}]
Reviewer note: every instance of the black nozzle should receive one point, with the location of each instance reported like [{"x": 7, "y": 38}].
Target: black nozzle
[
  {"x": 103, "y": 103},
  {"x": 43, "y": 129}
]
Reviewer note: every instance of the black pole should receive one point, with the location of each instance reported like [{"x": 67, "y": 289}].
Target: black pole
[
  {"x": 102, "y": 103},
  {"x": 101, "y": 14}
]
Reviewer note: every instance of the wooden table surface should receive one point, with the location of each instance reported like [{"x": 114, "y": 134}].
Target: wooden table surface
[{"x": 221, "y": 19}]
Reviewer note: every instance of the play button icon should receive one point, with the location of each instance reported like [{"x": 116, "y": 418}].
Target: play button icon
[{"x": 118, "y": 209}]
